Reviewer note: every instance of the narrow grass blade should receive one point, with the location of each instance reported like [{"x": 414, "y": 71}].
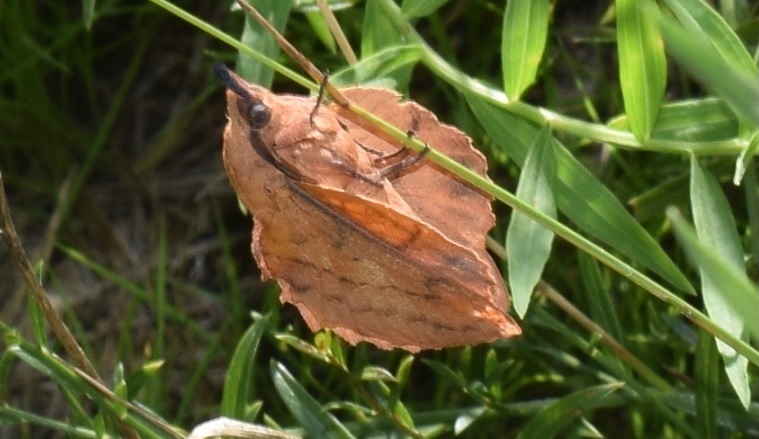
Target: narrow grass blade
[
  {"x": 707, "y": 383},
  {"x": 743, "y": 162},
  {"x": 716, "y": 229},
  {"x": 241, "y": 372},
  {"x": 550, "y": 421},
  {"x": 88, "y": 13},
  {"x": 523, "y": 40},
  {"x": 751, "y": 191},
  {"x": 581, "y": 196},
  {"x": 420, "y": 8},
  {"x": 602, "y": 309},
  {"x": 528, "y": 244},
  {"x": 642, "y": 66},
  {"x": 317, "y": 422}
]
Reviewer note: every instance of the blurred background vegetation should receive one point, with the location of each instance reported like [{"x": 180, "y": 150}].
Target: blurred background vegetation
[{"x": 110, "y": 142}]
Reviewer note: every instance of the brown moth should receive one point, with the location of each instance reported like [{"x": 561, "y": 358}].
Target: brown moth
[{"x": 363, "y": 237}]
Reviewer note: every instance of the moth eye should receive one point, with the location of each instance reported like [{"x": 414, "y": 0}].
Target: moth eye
[{"x": 259, "y": 115}]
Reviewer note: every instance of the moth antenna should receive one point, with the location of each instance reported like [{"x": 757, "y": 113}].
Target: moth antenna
[
  {"x": 320, "y": 97},
  {"x": 222, "y": 72}
]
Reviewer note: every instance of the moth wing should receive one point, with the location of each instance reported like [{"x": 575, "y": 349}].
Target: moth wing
[
  {"x": 341, "y": 276},
  {"x": 457, "y": 210}
]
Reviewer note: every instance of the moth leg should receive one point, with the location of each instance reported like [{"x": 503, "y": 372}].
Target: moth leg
[
  {"x": 386, "y": 159},
  {"x": 396, "y": 170},
  {"x": 400, "y": 154},
  {"x": 370, "y": 150},
  {"x": 320, "y": 98}
]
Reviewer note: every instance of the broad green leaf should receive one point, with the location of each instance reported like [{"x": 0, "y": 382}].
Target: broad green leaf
[
  {"x": 523, "y": 40},
  {"x": 724, "y": 78},
  {"x": 653, "y": 202},
  {"x": 580, "y": 195},
  {"x": 740, "y": 293},
  {"x": 715, "y": 227},
  {"x": 420, "y": 8},
  {"x": 707, "y": 383},
  {"x": 241, "y": 370},
  {"x": 551, "y": 420},
  {"x": 702, "y": 21},
  {"x": 378, "y": 34},
  {"x": 698, "y": 120},
  {"x": 317, "y": 422},
  {"x": 256, "y": 37},
  {"x": 382, "y": 64},
  {"x": 528, "y": 244},
  {"x": 642, "y": 66}
]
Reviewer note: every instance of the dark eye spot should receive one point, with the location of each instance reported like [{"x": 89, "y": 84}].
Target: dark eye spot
[{"x": 259, "y": 115}]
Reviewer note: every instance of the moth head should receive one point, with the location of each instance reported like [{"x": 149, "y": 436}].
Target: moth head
[
  {"x": 256, "y": 113},
  {"x": 251, "y": 108}
]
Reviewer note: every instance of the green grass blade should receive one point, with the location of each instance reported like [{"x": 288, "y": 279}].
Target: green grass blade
[
  {"x": 523, "y": 40},
  {"x": 740, "y": 293},
  {"x": 723, "y": 77},
  {"x": 707, "y": 383},
  {"x": 642, "y": 66},
  {"x": 240, "y": 374},
  {"x": 703, "y": 22},
  {"x": 382, "y": 64},
  {"x": 581, "y": 196},
  {"x": 528, "y": 244},
  {"x": 317, "y": 422},
  {"x": 751, "y": 191},
  {"x": 379, "y": 34},
  {"x": 695, "y": 120},
  {"x": 420, "y": 8},
  {"x": 715, "y": 227},
  {"x": 235, "y": 43},
  {"x": 743, "y": 162},
  {"x": 558, "y": 415},
  {"x": 598, "y": 294},
  {"x": 321, "y": 29},
  {"x": 257, "y": 38},
  {"x": 88, "y": 13}
]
